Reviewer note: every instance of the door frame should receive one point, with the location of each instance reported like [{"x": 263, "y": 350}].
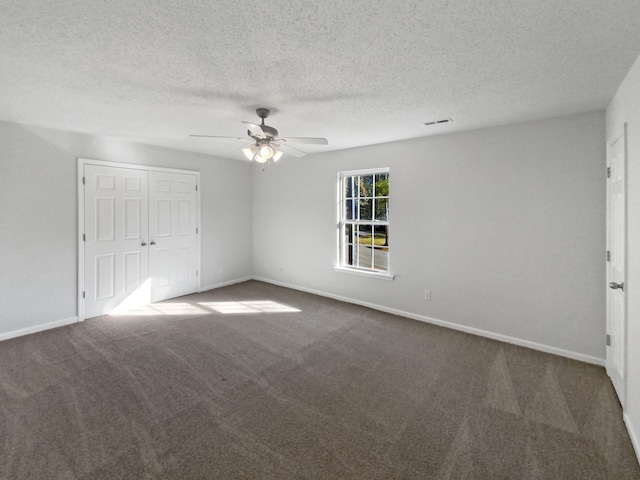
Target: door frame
[
  {"x": 81, "y": 224},
  {"x": 620, "y": 134}
]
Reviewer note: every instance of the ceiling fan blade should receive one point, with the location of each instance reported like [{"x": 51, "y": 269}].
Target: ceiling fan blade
[
  {"x": 291, "y": 151},
  {"x": 308, "y": 140},
  {"x": 255, "y": 129},
  {"x": 216, "y": 137}
]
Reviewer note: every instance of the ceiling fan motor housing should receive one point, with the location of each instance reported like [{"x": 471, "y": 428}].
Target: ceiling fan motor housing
[{"x": 262, "y": 112}]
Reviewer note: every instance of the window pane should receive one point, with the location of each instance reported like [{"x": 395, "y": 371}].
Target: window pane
[
  {"x": 348, "y": 233},
  {"x": 382, "y": 209},
  {"x": 350, "y": 257},
  {"x": 381, "y": 236},
  {"x": 349, "y": 249},
  {"x": 350, "y": 212},
  {"x": 365, "y": 236},
  {"x": 365, "y": 209},
  {"x": 348, "y": 187},
  {"x": 381, "y": 259},
  {"x": 366, "y": 185},
  {"x": 382, "y": 185},
  {"x": 365, "y": 257}
]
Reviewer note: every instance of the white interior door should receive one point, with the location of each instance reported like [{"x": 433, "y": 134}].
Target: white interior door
[
  {"x": 616, "y": 265},
  {"x": 116, "y": 232},
  {"x": 172, "y": 234}
]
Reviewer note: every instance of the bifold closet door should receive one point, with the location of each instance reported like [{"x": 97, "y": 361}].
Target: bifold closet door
[
  {"x": 116, "y": 232},
  {"x": 172, "y": 234}
]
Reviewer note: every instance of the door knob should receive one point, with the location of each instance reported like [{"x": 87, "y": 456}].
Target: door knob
[
  {"x": 152, "y": 242},
  {"x": 143, "y": 244},
  {"x": 615, "y": 285}
]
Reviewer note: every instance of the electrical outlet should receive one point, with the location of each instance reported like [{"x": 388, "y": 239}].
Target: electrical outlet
[{"x": 427, "y": 295}]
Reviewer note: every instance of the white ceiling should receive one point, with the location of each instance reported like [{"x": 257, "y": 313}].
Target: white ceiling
[{"x": 356, "y": 72}]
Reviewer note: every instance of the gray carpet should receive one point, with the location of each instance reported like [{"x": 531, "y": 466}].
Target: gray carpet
[{"x": 255, "y": 381}]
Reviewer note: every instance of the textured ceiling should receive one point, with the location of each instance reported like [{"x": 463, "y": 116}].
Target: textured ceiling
[{"x": 356, "y": 72}]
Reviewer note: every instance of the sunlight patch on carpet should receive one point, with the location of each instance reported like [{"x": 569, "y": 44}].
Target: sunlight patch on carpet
[{"x": 253, "y": 306}]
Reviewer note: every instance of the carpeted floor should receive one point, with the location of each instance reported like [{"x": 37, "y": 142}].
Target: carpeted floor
[{"x": 255, "y": 381}]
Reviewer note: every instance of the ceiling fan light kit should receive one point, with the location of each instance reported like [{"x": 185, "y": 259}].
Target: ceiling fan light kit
[
  {"x": 264, "y": 149},
  {"x": 262, "y": 153},
  {"x": 277, "y": 155}
]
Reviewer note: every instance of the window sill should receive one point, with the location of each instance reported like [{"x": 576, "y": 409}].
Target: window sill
[{"x": 365, "y": 273}]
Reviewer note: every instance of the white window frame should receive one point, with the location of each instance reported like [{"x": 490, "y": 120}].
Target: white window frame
[{"x": 342, "y": 264}]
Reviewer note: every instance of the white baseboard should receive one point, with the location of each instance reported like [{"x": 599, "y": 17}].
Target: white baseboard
[
  {"x": 442, "y": 323},
  {"x": 633, "y": 434},
  {"x": 225, "y": 284},
  {"x": 38, "y": 328}
]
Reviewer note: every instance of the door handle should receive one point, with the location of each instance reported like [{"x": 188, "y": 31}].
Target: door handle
[
  {"x": 143, "y": 244},
  {"x": 152, "y": 242},
  {"x": 615, "y": 286}
]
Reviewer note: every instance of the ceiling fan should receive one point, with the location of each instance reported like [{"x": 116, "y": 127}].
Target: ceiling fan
[{"x": 266, "y": 143}]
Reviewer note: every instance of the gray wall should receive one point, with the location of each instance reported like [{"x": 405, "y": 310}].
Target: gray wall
[
  {"x": 505, "y": 226},
  {"x": 38, "y": 217},
  {"x": 625, "y": 107}
]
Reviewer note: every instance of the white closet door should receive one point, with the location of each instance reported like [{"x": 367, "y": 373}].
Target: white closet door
[
  {"x": 172, "y": 234},
  {"x": 116, "y": 230}
]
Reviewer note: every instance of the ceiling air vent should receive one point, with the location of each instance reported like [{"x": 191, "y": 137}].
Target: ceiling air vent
[{"x": 438, "y": 122}]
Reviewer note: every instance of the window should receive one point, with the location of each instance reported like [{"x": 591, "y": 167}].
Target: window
[{"x": 364, "y": 221}]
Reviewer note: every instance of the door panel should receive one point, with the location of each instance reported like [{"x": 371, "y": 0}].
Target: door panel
[
  {"x": 132, "y": 218},
  {"x": 616, "y": 266},
  {"x": 161, "y": 268},
  {"x": 184, "y": 264},
  {"x": 105, "y": 181},
  {"x": 105, "y": 219},
  {"x": 172, "y": 226},
  {"x": 116, "y": 264},
  {"x": 105, "y": 276},
  {"x": 163, "y": 217},
  {"x": 132, "y": 184},
  {"x": 132, "y": 270},
  {"x": 184, "y": 218}
]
